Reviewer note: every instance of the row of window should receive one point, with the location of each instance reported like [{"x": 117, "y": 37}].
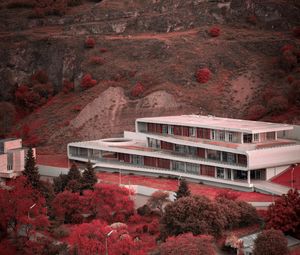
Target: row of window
[{"x": 199, "y": 152}]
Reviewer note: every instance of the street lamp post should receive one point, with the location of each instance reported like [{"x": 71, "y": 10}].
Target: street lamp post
[
  {"x": 106, "y": 236},
  {"x": 292, "y": 175},
  {"x": 120, "y": 177},
  {"x": 30, "y": 209}
]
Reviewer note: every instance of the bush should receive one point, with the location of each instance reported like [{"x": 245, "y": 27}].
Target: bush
[
  {"x": 61, "y": 231},
  {"x": 20, "y": 4},
  {"x": 95, "y": 60},
  {"x": 214, "y": 31},
  {"x": 203, "y": 75},
  {"x": 248, "y": 214},
  {"x": 144, "y": 210},
  {"x": 256, "y": 112},
  {"x": 296, "y": 31},
  {"x": 39, "y": 76},
  {"x": 288, "y": 60},
  {"x": 137, "y": 90},
  {"x": 278, "y": 104},
  {"x": 88, "y": 82},
  {"x": 89, "y": 42},
  {"x": 74, "y": 2},
  {"x": 68, "y": 86},
  {"x": 271, "y": 242},
  {"x": 287, "y": 47},
  {"x": 196, "y": 214},
  {"x": 187, "y": 244}
]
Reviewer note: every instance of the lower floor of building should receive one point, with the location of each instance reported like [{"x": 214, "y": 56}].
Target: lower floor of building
[{"x": 179, "y": 166}]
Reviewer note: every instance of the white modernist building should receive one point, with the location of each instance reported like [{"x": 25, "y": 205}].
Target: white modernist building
[
  {"x": 12, "y": 157},
  {"x": 204, "y": 148}
]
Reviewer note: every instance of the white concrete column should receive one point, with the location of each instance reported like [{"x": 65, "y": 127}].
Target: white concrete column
[
  {"x": 249, "y": 177},
  {"x": 232, "y": 174},
  {"x": 242, "y": 138}
]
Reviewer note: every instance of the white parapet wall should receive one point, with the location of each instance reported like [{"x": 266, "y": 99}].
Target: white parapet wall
[
  {"x": 273, "y": 157},
  {"x": 12, "y": 144},
  {"x": 273, "y": 171},
  {"x": 3, "y": 162}
]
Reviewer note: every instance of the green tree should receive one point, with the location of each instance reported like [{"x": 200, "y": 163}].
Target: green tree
[
  {"x": 31, "y": 171},
  {"x": 89, "y": 178},
  {"x": 270, "y": 242},
  {"x": 74, "y": 173},
  {"x": 60, "y": 183},
  {"x": 183, "y": 189}
]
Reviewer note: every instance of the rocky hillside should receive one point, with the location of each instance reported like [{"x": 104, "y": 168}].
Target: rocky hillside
[{"x": 159, "y": 45}]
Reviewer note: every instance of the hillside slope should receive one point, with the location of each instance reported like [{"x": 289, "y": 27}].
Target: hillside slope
[{"x": 160, "y": 44}]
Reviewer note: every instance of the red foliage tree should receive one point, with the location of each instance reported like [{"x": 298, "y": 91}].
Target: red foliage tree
[
  {"x": 203, "y": 75},
  {"x": 89, "y": 42},
  {"x": 214, "y": 31},
  {"x": 88, "y": 82},
  {"x": 284, "y": 214},
  {"x": 109, "y": 202},
  {"x": 187, "y": 244},
  {"x": 21, "y": 206},
  {"x": 270, "y": 242},
  {"x": 90, "y": 238},
  {"x": 137, "y": 90},
  {"x": 67, "y": 207}
]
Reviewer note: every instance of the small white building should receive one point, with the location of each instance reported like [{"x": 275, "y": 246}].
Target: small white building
[
  {"x": 12, "y": 158},
  {"x": 209, "y": 149}
]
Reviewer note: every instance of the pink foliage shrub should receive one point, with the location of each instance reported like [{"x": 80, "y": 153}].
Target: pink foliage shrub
[
  {"x": 203, "y": 75},
  {"x": 90, "y": 42},
  {"x": 88, "y": 82},
  {"x": 214, "y": 31},
  {"x": 137, "y": 90}
]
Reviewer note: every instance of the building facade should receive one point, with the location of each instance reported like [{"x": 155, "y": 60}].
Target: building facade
[
  {"x": 12, "y": 158},
  {"x": 206, "y": 148}
]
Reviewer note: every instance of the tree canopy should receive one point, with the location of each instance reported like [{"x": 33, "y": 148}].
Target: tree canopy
[
  {"x": 270, "y": 242},
  {"x": 284, "y": 214},
  {"x": 195, "y": 214},
  {"x": 187, "y": 244}
]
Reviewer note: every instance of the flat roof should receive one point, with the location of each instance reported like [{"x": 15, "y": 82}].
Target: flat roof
[{"x": 219, "y": 123}]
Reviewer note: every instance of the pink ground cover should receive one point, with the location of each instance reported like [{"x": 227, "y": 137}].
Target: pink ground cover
[
  {"x": 61, "y": 160},
  {"x": 288, "y": 176},
  {"x": 58, "y": 160},
  {"x": 172, "y": 185}
]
